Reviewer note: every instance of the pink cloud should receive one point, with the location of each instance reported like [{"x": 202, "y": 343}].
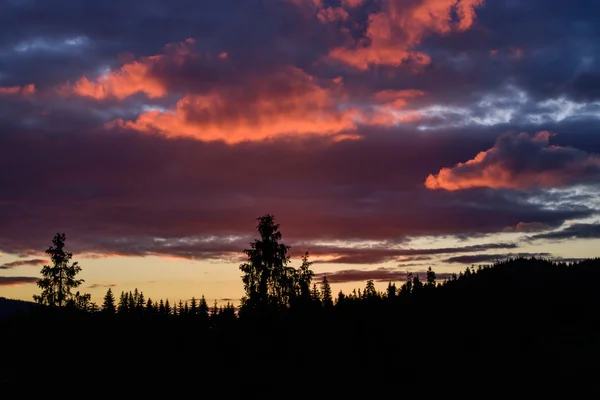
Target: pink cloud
[
  {"x": 392, "y": 33},
  {"x": 519, "y": 162},
  {"x": 23, "y": 90},
  {"x": 133, "y": 77},
  {"x": 288, "y": 102}
]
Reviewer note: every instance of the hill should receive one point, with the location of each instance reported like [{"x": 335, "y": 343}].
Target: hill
[
  {"x": 9, "y": 307},
  {"x": 523, "y": 324}
]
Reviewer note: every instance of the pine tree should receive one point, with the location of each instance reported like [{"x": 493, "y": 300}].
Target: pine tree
[
  {"x": 431, "y": 277},
  {"x": 132, "y": 301},
  {"x": 315, "y": 295},
  {"x": 203, "y": 309},
  {"x": 194, "y": 307},
  {"x": 417, "y": 284},
  {"x": 167, "y": 307},
  {"x": 150, "y": 307},
  {"x": 326, "y": 292},
  {"x": 141, "y": 303},
  {"x": 108, "y": 306},
  {"x": 370, "y": 291},
  {"x": 123, "y": 303},
  {"x": 391, "y": 290},
  {"x": 161, "y": 307},
  {"x": 215, "y": 310},
  {"x": 267, "y": 280},
  {"x": 58, "y": 280},
  {"x": 305, "y": 275}
]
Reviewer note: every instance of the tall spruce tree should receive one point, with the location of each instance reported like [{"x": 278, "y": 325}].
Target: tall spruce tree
[
  {"x": 268, "y": 281},
  {"x": 108, "y": 306},
  {"x": 203, "y": 309},
  {"x": 326, "y": 295},
  {"x": 58, "y": 280}
]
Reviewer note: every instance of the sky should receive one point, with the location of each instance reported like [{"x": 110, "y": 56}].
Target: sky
[{"x": 385, "y": 136}]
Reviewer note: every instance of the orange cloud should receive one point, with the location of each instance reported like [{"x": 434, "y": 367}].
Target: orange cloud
[
  {"x": 289, "y": 102},
  {"x": 393, "y": 32},
  {"x": 24, "y": 90},
  {"x": 131, "y": 78},
  {"x": 520, "y": 162}
]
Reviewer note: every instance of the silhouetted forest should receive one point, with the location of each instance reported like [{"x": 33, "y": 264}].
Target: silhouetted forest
[{"x": 514, "y": 325}]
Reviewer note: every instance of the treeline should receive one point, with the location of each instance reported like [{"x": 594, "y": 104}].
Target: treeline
[
  {"x": 494, "y": 326},
  {"x": 274, "y": 287},
  {"x": 133, "y": 303}
]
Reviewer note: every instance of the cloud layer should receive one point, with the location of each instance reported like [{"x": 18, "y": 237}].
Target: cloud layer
[
  {"x": 520, "y": 162},
  {"x": 152, "y": 131}
]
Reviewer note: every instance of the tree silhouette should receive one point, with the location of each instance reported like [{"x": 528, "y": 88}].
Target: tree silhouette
[
  {"x": 305, "y": 275},
  {"x": 391, "y": 290},
  {"x": 108, "y": 306},
  {"x": 83, "y": 302},
  {"x": 123, "y": 303},
  {"x": 203, "y": 309},
  {"x": 431, "y": 277},
  {"x": 326, "y": 296},
  {"x": 150, "y": 308},
  {"x": 370, "y": 290},
  {"x": 266, "y": 279},
  {"x": 140, "y": 303},
  {"x": 315, "y": 295},
  {"x": 132, "y": 301},
  {"x": 58, "y": 279},
  {"x": 193, "y": 307}
]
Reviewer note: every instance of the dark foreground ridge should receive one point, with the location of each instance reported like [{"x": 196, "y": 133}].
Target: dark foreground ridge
[
  {"x": 522, "y": 327},
  {"x": 518, "y": 324}
]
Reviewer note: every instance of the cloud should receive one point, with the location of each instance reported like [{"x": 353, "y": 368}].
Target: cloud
[
  {"x": 287, "y": 102},
  {"x": 392, "y": 34},
  {"x": 574, "y": 231},
  {"x": 374, "y": 255},
  {"x": 204, "y": 196},
  {"x": 174, "y": 150},
  {"x": 17, "y": 280},
  {"x": 133, "y": 77},
  {"x": 102, "y": 285},
  {"x": 19, "y": 263},
  {"x": 13, "y": 90},
  {"x": 528, "y": 227},
  {"x": 491, "y": 258},
  {"x": 520, "y": 162}
]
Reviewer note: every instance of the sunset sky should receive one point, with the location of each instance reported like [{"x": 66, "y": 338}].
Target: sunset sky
[{"x": 383, "y": 135}]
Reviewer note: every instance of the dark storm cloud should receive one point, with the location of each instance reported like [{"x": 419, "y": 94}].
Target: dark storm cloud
[
  {"x": 545, "y": 47},
  {"x": 575, "y": 231},
  {"x": 264, "y": 67},
  {"x": 116, "y": 193},
  {"x": 71, "y": 40},
  {"x": 374, "y": 255}
]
